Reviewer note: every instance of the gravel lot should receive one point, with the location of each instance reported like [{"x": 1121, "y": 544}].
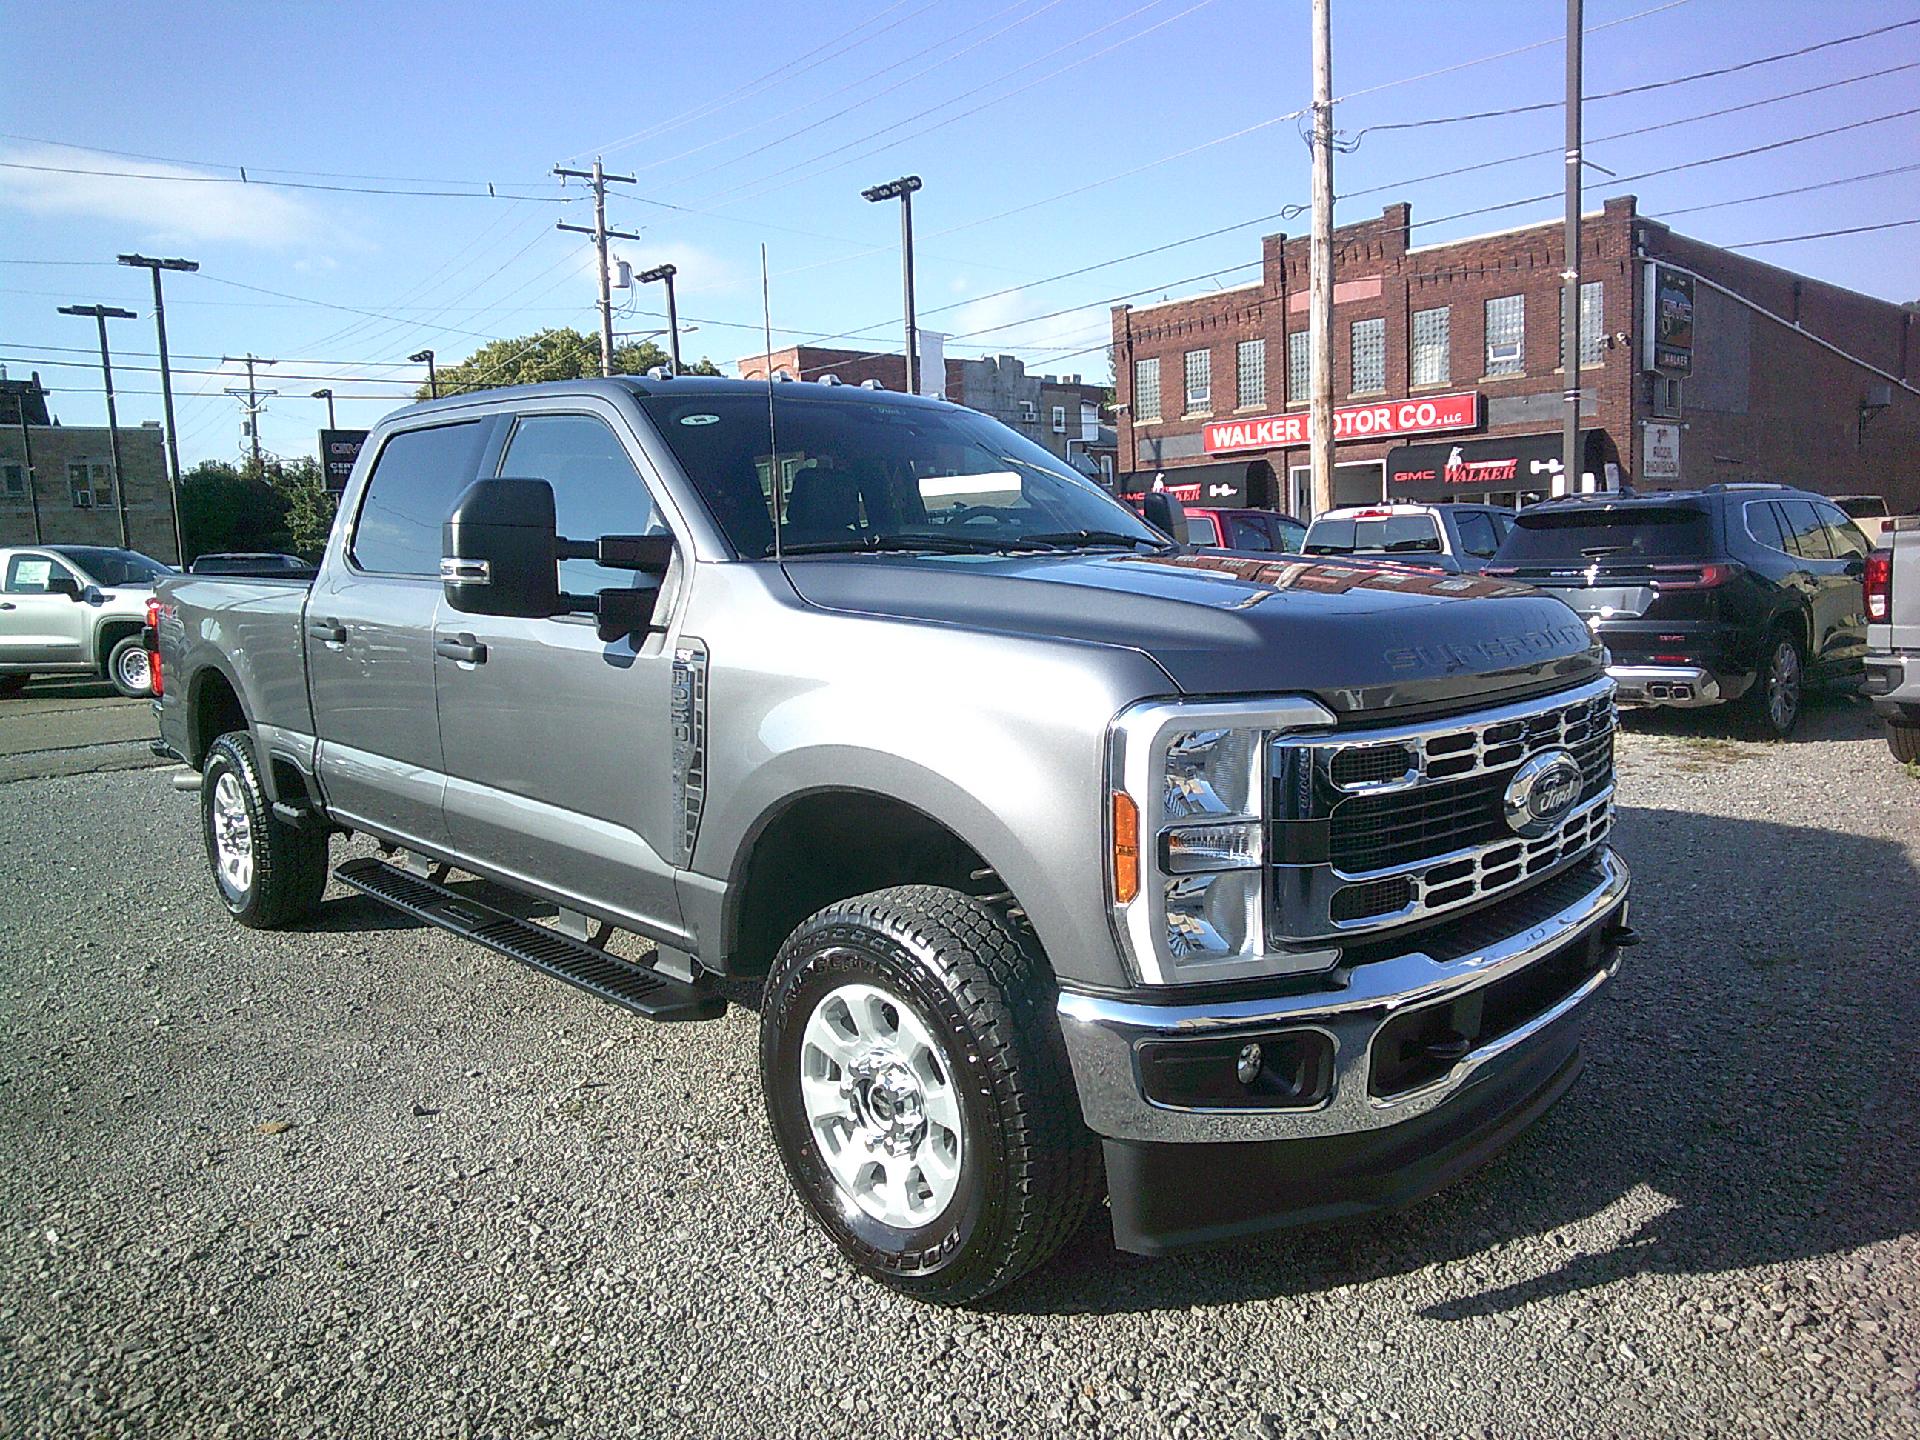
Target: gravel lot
[{"x": 370, "y": 1180}]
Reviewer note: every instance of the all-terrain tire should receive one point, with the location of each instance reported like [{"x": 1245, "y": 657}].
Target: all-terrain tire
[
  {"x": 285, "y": 867},
  {"x": 1027, "y": 1166},
  {"x": 1904, "y": 741}
]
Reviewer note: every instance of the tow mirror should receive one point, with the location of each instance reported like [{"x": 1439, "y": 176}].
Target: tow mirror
[
  {"x": 500, "y": 551},
  {"x": 1163, "y": 510}
]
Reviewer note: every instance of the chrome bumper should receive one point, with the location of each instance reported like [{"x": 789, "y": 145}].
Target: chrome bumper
[
  {"x": 1684, "y": 686},
  {"x": 1103, "y": 1035}
]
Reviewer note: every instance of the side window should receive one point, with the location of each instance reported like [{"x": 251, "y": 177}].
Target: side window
[
  {"x": 419, "y": 474},
  {"x": 1476, "y": 533},
  {"x": 1203, "y": 530},
  {"x": 1763, "y": 524},
  {"x": 1843, "y": 536},
  {"x": 1805, "y": 535},
  {"x": 30, "y": 574},
  {"x": 596, "y": 490},
  {"x": 1250, "y": 535}
]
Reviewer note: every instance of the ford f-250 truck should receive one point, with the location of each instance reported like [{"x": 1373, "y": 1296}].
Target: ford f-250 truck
[{"x": 1068, "y": 861}]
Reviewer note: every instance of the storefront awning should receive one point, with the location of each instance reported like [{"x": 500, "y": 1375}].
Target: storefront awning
[
  {"x": 1485, "y": 465},
  {"x": 1227, "y": 484}
]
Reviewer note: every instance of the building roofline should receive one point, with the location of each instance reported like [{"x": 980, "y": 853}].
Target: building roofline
[
  {"x": 1202, "y": 295},
  {"x": 1780, "y": 270},
  {"x": 1585, "y": 215}
]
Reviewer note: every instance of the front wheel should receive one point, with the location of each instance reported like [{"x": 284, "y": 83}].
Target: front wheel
[
  {"x": 129, "y": 669},
  {"x": 1773, "y": 704},
  {"x": 920, "y": 1095},
  {"x": 268, "y": 873},
  {"x": 1904, "y": 741}
]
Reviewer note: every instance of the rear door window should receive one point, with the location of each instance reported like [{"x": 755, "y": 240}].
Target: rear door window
[
  {"x": 1476, "y": 533},
  {"x": 1843, "y": 536},
  {"x": 1250, "y": 534},
  {"x": 1627, "y": 536},
  {"x": 1763, "y": 524},
  {"x": 419, "y": 474},
  {"x": 1203, "y": 530},
  {"x": 1806, "y": 536}
]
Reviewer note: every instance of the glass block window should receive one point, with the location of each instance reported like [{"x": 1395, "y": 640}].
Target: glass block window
[
  {"x": 1299, "y": 367},
  {"x": 1369, "y": 357},
  {"x": 1250, "y": 374},
  {"x": 1592, "y": 314},
  {"x": 1146, "y": 390},
  {"x": 1433, "y": 346},
  {"x": 13, "y": 479},
  {"x": 1199, "y": 380},
  {"x": 1507, "y": 335}
]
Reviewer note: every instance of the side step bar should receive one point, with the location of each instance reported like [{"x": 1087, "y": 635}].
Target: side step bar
[{"x": 653, "y": 995}]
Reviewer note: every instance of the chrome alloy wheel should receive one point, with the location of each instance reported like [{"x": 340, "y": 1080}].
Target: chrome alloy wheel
[
  {"x": 133, "y": 671},
  {"x": 880, "y": 1102},
  {"x": 1783, "y": 685},
  {"x": 232, "y": 833}
]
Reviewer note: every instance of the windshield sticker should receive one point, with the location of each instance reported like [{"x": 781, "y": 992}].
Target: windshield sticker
[{"x": 699, "y": 419}]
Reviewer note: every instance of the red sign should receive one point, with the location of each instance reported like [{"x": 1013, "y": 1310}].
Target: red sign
[{"x": 1427, "y": 415}]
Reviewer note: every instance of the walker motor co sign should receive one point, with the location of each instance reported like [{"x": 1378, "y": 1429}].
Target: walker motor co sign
[{"x": 1429, "y": 415}]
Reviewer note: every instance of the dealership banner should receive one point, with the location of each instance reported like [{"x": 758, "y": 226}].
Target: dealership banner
[
  {"x": 338, "y": 450},
  {"x": 1669, "y": 320},
  {"x": 1427, "y": 415}
]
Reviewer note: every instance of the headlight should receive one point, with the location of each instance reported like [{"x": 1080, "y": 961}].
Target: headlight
[{"x": 1189, "y": 895}]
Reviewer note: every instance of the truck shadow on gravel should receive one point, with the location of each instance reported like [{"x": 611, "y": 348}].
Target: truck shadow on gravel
[
  {"x": 1828, "y": 715},
  {"x": 1747, "y": 1102}
]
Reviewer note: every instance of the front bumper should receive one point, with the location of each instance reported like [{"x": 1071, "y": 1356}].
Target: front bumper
[
  {"x": 1104, "y": 1035},
  {"x": 1685, "y": 686}
]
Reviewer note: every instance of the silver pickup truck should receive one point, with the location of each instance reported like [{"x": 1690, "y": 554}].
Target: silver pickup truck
[
  {"x": 1061, "y": 861},
  {"x": 1893, "y": 635}
]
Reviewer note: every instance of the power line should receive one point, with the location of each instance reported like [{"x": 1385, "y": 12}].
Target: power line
[
  {"x": 261, "y": 169},
  {"x": 488, "y": 194},
  {"x": 1796, "y": 190},
  {"x": 1822, "y": 234}
]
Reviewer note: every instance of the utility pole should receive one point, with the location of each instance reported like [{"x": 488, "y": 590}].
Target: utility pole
[
  {"x": 419, "y": 357},
  {"x": 326, "y": 395},
  {"x": 902, "y": 190},
  {"x": 1570, "y": 277},
  {"x": 601, "y": 235},
  {"x": 252, "y": 406},
  {"x": 665, "y": 273},
  {"x": 1320, "y": 278},
  {"x": 166, "y": 385},
  {"x": 100, "y": 314},
  {"x": 26, "y": 454}
]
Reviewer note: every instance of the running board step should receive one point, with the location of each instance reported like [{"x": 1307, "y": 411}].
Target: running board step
[{"x": 653, "y": 995}]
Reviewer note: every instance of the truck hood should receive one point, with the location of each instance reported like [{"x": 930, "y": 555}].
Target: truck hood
[{"x": 1357, "y": 637}]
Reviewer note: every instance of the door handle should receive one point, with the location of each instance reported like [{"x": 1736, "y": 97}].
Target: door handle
[
  {"x": 330, "y": 632},
  {"x": 7, "y": 605},
  {"x": 460, "y": 647}
]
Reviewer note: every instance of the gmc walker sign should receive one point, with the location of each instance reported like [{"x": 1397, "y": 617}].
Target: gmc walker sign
[{"x": 1428, "y": 415}]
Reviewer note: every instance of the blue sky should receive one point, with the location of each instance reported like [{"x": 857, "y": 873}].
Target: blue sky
[{"x": 763, "y": 122}]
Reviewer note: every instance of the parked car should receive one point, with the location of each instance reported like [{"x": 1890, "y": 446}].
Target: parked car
[
  {"x": 1745, "y": 592},
  {"x": 1056, "y": 857},
  {"x": 1872, "y": 514},
  {"x": 74, "y": 610},
  {"x": 1893, "y": 637},
  {"x": 1458, "y": 538},
  {"x": 1242, "y": 531},
  {"x": 251, "y": 562}
]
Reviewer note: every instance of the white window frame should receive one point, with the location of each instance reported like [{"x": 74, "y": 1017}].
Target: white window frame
[
  {"x": 1375, "y": 343},
  {"x": 1146, "y": 390},
  {"x": 1432, "y": 357},
  {"x": 1250, "y": 374},
  {"x": 1508, "y": 354},
  {"x": 1059, "y": 419},
  {"x": 1197, "y": 374}
]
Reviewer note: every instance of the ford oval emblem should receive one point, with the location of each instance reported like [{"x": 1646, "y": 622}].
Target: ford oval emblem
[{"x": 1542, "y": 792}]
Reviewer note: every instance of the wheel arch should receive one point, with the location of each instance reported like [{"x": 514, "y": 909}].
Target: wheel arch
[
  {"x": 108, "y": 634},
  {"x": 213, "y": 708}
]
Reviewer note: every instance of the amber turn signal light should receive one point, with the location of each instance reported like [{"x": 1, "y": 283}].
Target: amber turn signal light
[{"x": 1126, "y": 847}]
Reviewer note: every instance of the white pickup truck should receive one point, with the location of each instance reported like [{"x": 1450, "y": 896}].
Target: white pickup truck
[
  {"x": 75, "y": 610},
  {"x": 1893, "y": 635}
]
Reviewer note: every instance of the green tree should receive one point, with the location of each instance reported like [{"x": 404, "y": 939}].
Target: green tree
[
  {"x": 310, "y": 505},
  {"x": 557, "y": 354},
  {"x": 231, "y": 507}
]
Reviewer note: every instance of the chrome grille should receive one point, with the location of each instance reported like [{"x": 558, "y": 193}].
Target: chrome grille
[{"x": 1374, "y": 828}]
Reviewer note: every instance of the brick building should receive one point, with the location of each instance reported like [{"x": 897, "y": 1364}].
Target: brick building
[
  {"x": 69, "y": 496},
  {"x": 1059, "y": 413},
  {"x": 1698, "y": 365}
]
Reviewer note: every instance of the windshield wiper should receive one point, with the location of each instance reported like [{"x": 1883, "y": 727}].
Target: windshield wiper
[
  {"x": 1596, "y": 551},
  {"x": 1059, "y": 538},
  {"x": 864, "y": 544}
]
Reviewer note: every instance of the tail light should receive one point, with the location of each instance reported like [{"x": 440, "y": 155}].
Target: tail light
[
  {"x": 153, "y": 645},
  {"x": 1879, "y": 586},
  {"x": 1693, "y": 577}
]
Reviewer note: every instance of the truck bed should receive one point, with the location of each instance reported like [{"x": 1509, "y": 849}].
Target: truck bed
[{"x": 248, "y": 628}]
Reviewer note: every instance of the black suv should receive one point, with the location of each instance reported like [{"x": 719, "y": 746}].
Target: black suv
[{"x": 1734, "y": 592}]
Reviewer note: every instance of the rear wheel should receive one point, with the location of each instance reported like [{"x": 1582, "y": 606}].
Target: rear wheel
[
  {"x": 128, "y": 668},
  {"x": 1904, "y": 741},
  {"x": 920, "y": 1095},
  {"x": 11, "y": 685},
  {"x": 268, "y": 873},
  {"x": 1773, "y": 704}
]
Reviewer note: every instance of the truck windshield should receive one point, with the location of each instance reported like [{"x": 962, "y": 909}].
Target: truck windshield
[
  {"x": 1372, "y": 535},
  {"x": 1611, "y": 537},
  {"x": 878, "y": 476},
  {"x": 114, "y": 567}
]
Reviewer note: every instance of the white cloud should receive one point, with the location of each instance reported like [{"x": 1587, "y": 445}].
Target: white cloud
[
  {"x": 1020, "y": 325},
  {"x": 167, "y": 203}
]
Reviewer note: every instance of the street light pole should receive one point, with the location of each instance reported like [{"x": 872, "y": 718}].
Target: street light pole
[
  {"x": 433, "y": 375},
  {"x": 100, "y": 314},
  {"x": 902, "y": 190},
  {"x": 326, "y": 395},
  {"x": 1320, "y": 266},
  {"x": 666, "y": 273},
  {"x": 1570, "y": 296},
  {"x": 166, "y": 384}
]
